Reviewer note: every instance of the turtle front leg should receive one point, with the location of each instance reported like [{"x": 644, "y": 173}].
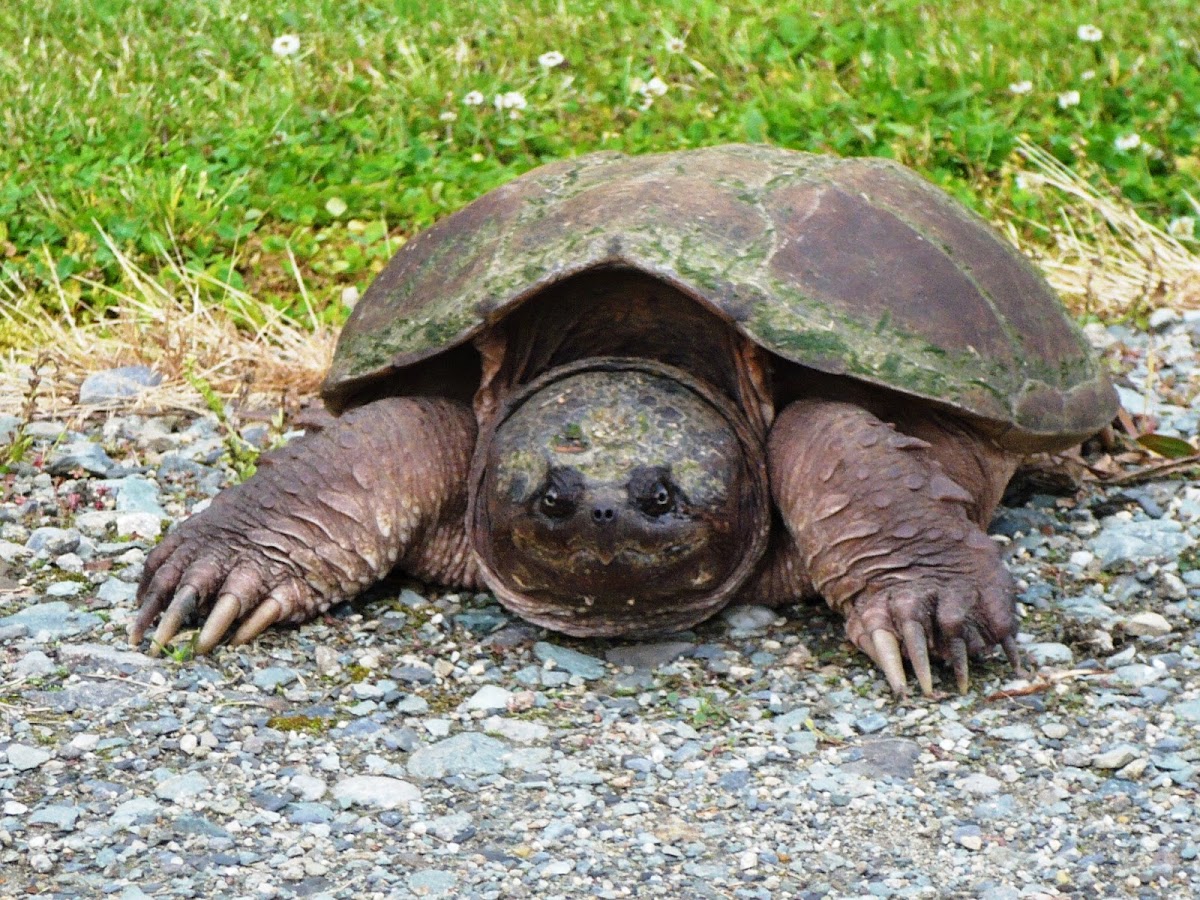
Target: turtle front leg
[
  {"x": 891, "y": 540},
  {"x": 322, "y": 519}
]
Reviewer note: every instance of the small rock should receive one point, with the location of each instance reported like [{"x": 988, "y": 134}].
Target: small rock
[
  {"x": 117, "y": 384},
  {"x": 307, "y": 787},
  {"x": 979, "y": 785},
  {"x": 1050, "y": 654},
  {"x": 1116, "y": 757},
  {"x": 84, "y": 455},
  {"x": 1131, "y": 543},
  {"x": 273, "y": 677},
  {"x": 1137, "y": 675},
  {"x": 138, "y": 495},
  {"x": 139, "y": 524},
  {"x": 181, "y": 787},
  {"x": 376, "y": 791},
  {"x": 1012, "y": 732},
  {"x": 571, "y": 661},
  {"x": 1163, "y": 318},
  {"x": 871, "y": 723},
  {"x": 468, "y": 753},
  {"x": 516, "y": 730},
  {"x": 116, "y": 592},
  {"x": 649, "y": 656},
  {"x": 1189, "y": 711},
  {"x": 62, "y": 589},
  {"x": 489, "y": 697},
  {"x": 54, "y": 541},
  {"x": 50, "y": 621},
  {"x": 33, "y": 664},
  {"x": 746, "y": 621},
  {"x": 1147, "y": 624},
  {"x": 106, "y": 655},
  {"x": 60, "y": 815},
  {"x": 1056, "y": 731},
  {"x": 23, "y": 758},
  {"x": 432, "y": 882},
  {"x": 969, "y": 837}
]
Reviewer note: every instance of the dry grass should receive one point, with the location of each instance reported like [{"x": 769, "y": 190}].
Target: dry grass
[
  {"x": 1106, "y": 261},
  {"x": 171, "y": 323}
]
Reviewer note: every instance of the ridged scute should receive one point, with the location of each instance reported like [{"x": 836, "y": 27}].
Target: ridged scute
[{"x": 855, "y": 267}]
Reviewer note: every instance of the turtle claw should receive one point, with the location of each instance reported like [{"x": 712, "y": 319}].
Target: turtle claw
[
  {"x": 219, "y": 621},
  {"x": 958, "y": 662},
  {"x": 1009, "y": 644},
  {"x": 887, "y": 650},
  {"x": 917, "y": 645},
  {"x": 182, "y": 607},
  {"x": 260, "y": 620}
]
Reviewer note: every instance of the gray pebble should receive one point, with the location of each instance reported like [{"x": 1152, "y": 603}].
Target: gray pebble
[
  {"x": 53, "y": 541},
  {"x": 489, "y": 697},
  {"x": 1122, "y": 542},
  {"x": 468, "y": 753},
  {"x": 376, "y": 791},
  {"x": 138, "y": 495},
  {"x": 1116, "y": 757},
  {"x": 116, "y": 592},
  {"x": 33, "y": 664},
  {"x": 979, "y": 785},
  {"x": 273, "y": 677},
  {"x": 570, "y": 661},
  {"x": 746, "y": 620},
  {"x": 648, "y": 656},
  {"x": 60, "y": 815},
  {"x": 117, "y": 384},
  {"x": 181, "y": 787},
  {"x": 1050, "y": 654},
  {"x": 432, "y": 882},
  {"x": 84, "y": 455},
  {"x": 51, "y": 621},
  {"x": 23, "y": 758}
]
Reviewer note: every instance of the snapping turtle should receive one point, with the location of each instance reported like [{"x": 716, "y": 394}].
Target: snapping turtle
[{"x": 624, "y": 392}]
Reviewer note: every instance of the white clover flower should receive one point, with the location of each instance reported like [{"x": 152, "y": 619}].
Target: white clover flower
[
  {"x": 448, "y": 116},
  {"x": 656, "y": 87},
  {"x": 1128, "y": 141},
  {"x": 285, "y": 45},
  {"x": 473, "y": 98},
  {"x": 1068, "y": 99},
  {"x": 513, "y": 100},
  {"x": 551, "y": 59},
  {"x": 1182, "y": 227},
  {"x": 1089, "y": 33},
  {"x": 1087, "y": 75},
  {"x": 1020, "y": 87},
  {"x": 674, "y": 45}
]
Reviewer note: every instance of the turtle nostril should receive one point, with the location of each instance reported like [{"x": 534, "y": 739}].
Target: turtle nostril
[{"x": 601, "y": 514}]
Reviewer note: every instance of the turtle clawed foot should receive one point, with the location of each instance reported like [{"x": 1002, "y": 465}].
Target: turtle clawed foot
[
  {"x": 919, "y": 621},
  {"x": 227, "y": 586}
]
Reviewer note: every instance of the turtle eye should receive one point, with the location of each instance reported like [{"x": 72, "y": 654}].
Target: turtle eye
[
  {"x": 560, "y": 493},
  {"x": 652, "y": 491}
]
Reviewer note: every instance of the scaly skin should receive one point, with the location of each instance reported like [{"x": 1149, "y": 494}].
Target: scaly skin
[
  {"x": 889, "y": 540},
  {"x": 321, "y": 520}
]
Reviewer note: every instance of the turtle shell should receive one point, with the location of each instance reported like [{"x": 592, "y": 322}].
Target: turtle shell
[{"x": 854, "y": 267}]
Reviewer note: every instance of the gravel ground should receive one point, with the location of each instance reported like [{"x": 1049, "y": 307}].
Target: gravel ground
[{"x": 417, "y": 745}]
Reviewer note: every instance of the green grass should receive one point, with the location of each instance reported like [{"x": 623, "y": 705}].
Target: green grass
[{"x": 172, "y": 126}]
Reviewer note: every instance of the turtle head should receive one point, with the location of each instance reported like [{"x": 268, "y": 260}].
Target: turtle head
[{"x": 619, "y": 497}]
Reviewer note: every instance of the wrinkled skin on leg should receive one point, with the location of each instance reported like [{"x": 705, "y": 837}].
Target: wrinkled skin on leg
[
  {"x": 889, "y": 528},
  {"x": 321, "y": 520}
]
